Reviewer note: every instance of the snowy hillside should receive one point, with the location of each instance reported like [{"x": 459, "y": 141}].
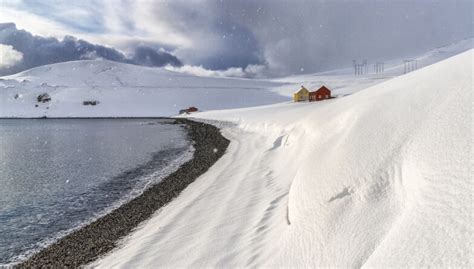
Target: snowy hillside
[
  {"x": 380, "y": 178},
  {"x": 132, "y": 91},
  {"x": 343, "y": 81},
  {"x": 123, "y": 90}
]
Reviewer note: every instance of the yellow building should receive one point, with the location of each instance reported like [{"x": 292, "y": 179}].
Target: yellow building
[{"x": 301, "y": 95}]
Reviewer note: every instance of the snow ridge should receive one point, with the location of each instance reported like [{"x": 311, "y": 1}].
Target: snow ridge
[
  {"x": 380, "y": 178},
  {"x": 404, "y": 160}
]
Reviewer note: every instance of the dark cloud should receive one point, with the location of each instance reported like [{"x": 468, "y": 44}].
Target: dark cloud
[
  {"x": 313, "y": 36},
  {"x": 238, "y": 48},
  {"x": 39, "y": 50},
  {"x": 151, "y": 57},
  {"x": 309, "y": 36},
  {"x": 219, "y": 41}
]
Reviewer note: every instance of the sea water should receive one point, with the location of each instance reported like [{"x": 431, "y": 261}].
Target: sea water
[{"x": 58, "y": 174}]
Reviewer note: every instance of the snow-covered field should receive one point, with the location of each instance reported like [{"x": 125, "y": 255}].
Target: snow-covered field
[
  {"x": 123, "y": 90},
  {"x": 380, "y": 178}
]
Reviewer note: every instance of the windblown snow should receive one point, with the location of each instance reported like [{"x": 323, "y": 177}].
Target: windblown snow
[{"x": 380, "y": 178}]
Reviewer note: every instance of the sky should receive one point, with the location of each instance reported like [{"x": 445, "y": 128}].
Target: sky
[{"x": 229, "y": 38}]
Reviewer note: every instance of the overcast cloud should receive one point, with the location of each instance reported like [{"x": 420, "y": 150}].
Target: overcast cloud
[{"x": 277, "y": 37}]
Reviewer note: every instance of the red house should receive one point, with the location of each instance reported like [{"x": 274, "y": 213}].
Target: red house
[
  {"x": 192, "y": 109},
  {"x": 188, "y": 110},
  {"x": 321, "y": 94}
]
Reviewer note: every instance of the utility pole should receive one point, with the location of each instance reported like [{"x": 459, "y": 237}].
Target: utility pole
[
  {"x": 360, "y": 69},
  {"x": 409, "y": 65},
  {"x": 379, "y": 67},
  {"x": 354, "y": 63}
]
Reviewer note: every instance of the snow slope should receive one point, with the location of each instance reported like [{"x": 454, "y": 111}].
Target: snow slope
[
  {"x": 136, "y": 91},
  {"x": 343, "y": 81},
  {"x": 380, "y": 178},
  {"x": 124, "y": 90}
]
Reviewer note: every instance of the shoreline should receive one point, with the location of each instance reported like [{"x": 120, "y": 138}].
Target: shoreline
[
  {"x": 86, "y": 118},
  {"x": 88, "y": 243}
]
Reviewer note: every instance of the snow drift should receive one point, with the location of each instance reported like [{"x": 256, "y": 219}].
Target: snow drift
[
  {"x": 386, "y": 178},
  {"x": 380, "y": 178}
]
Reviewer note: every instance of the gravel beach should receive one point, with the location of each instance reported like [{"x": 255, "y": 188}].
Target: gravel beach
[{"x": 101, "y": 236}]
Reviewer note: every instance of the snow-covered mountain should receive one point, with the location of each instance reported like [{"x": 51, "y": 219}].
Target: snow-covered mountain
[
  {"x": 123, "y": 90},
  {"x": 132, "y": 91},
  {"x": 377, "y": 179}
]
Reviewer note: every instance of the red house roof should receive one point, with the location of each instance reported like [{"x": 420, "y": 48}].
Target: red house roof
[{"x": 323, "y": 89}]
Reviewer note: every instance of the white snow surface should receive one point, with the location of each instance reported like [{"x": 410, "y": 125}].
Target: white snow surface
[
  {"x": 125, "y": 90},
  {"x": 380, "y": 178}
]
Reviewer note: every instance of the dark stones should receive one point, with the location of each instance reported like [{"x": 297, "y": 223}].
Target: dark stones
[
  {"x": 43, "y": 98},
  {"x": 90, "y": 103}
]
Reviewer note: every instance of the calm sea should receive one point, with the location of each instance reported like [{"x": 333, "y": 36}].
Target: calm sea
[{"x": 58, "y": 174}]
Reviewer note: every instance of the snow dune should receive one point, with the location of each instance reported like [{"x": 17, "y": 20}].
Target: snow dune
[
  {"x": 386, "y": 180},
  {"x": 380, "y": 178}
]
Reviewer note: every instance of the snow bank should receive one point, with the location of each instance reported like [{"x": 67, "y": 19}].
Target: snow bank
[
  {"x": 380, "y": 178},
  {"x": 386, "y": 181}
]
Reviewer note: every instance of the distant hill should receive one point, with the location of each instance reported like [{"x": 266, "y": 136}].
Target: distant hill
[{"x": 125, "y": 90}]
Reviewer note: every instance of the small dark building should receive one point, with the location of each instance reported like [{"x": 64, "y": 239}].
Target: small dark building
[
  {"x": 188, "y": 110},
  {"x": 320, "y": 94},
  {"x": 192, "y": 109}
]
